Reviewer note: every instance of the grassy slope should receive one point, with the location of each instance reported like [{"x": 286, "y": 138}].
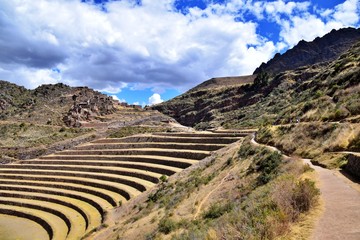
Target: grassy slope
[
  {"x": 31, "y": 135},
  {"x": 322, "y": 141},
  {"x": 244, "y": 191},
  {"x": 17, "y": 137}
]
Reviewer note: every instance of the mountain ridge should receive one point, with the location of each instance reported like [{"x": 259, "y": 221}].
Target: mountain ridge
[{"x": 323, "y": 49}]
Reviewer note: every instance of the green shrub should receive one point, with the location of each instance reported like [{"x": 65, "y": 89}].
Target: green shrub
[
  {"x": 216, "y": 210},
  {"x": 163, "y": 178},
  {"x": 246, "y": 149},
  {"x": 268, "y": 167},
  {"x": 166, "y": 225}
]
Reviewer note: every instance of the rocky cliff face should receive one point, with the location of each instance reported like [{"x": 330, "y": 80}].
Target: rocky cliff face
[
  {"x": 326, "y": 48},
  {"x": 55, "y": 104},
  {"x": 87, "y": 104}
]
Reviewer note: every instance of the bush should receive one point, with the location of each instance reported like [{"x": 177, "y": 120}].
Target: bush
[
  {"x": 166, "y": 225},
  {"x": 305, "y": 195},
  {"x": 246, "y": 150},
  {"x": 268, "y": 167},
  {"x": 163, "y": 178},
  {"x": 217, "y": 210},
  {"x": 294, "y": 197}
]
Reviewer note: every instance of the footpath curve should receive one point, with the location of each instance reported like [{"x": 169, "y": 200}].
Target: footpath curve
[{"x": 341, "y": 217}]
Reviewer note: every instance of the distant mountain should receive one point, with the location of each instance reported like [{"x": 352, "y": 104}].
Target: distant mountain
[
  {"x": 224, "y": 82},
  {"x": 55, "y": 104},
  {"x": 326, "y": 48},
  {"x": 319, "y": 92}
]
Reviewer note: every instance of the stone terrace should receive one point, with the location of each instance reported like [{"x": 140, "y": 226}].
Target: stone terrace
[{"x": 68, "y": 193}]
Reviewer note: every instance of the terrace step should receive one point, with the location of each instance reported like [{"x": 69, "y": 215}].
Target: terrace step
[
  {"x": 181, "y": 153},
  {"x": 167, "y": 161},
  {"x": 133, "y": 181},
  {"x": 110, "y": 196},
  {"x": 156, "y": 168},
  {"x": 162, "y": 145},
  {"x": 112, "y": 193},
  {"x": 75, "y": 223},
  {"x": 146, "y": 175},
  {"x": 98, "y": 203},
  {"x": 54, "y": 226},
  {"x": 205, "y": 134},
  {"x": 170, "y": 139},
  {"x": 244, "y": 131},
  {"x": 91, "y": 215}
]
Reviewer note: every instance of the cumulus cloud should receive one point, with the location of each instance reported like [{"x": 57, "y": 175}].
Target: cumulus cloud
[
  {"x": 151, "y": 44},
  {"x": 155, "y": 99},
  {"x": 307, "y": 25},
  {"x": 121, "y": 44}
]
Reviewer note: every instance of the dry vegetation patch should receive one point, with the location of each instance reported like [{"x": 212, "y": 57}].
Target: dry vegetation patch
[{"x": 311, "y": 139}]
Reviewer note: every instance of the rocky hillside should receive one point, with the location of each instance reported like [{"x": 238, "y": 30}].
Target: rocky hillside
[
  {"x": 327, "y": 48},
  {"x": 326, "y": 91},
  {"x": 49, "y": 104}
]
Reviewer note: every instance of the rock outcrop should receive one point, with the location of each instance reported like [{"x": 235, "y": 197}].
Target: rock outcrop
[
  {"x": 87, "y": 105},
  {"x": 53, "y": 104}
]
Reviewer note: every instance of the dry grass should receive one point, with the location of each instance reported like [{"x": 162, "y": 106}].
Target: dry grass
[
  {"x": 312, "y": 139},
  {"x": 303, "y": 228},
  {"x": 31, "y": 135}
]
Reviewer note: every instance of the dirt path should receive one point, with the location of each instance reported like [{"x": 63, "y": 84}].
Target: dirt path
[{"x": 341, "y": 217}]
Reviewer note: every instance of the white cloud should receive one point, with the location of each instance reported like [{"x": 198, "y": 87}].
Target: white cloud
[
  {"x": 348, "y": 12},
  {"x": 155, "y": 99},
  {"x": 149, "y": 45},
  {"x": 307, "y": 26}
]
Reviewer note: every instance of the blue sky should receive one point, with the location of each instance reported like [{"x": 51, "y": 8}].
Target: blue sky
[{"x": 147, "y": 51}]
